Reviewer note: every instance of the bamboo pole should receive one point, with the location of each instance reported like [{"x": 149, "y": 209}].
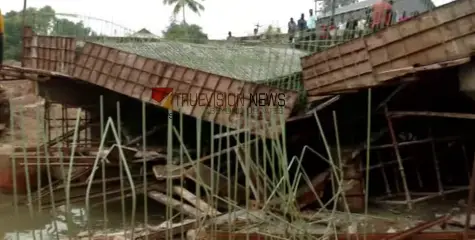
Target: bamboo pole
[
  {"x": 470, "y": 202},
  {"x": 415, "y": 142},
  {"x": 398, "y": 157},
  {"x": 466, "y": 161},
  {"x": 396, "y": 180},
  {"x": 397, "y": 114},
  {"x": 385, "y": 177},
  {"x": 436, "y": 165}
]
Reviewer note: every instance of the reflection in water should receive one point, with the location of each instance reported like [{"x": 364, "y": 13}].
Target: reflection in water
[
  {"x": 24, "y": 225},
  {"x": 46, "y": 225}
]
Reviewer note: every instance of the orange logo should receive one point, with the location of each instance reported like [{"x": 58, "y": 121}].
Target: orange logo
[{"x": 164, "y": 96}]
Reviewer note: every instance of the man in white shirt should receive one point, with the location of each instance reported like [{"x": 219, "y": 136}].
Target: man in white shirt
[{"x": 312, "y": 20}]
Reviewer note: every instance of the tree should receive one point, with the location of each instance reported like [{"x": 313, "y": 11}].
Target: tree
[
  {"x": 327, "y": 4},
  {"x": 185, "y": 32},
  {"x": 180, "y": 5},
  {"x": 44, "y": 22},
  {"x": 271, "y": 30},
  {"x": 64, "y": 27}
]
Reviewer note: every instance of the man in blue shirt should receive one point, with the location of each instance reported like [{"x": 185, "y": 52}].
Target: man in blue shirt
[
  {"x": 311, "y": 21},
  {"x": 302, "y": 24}
]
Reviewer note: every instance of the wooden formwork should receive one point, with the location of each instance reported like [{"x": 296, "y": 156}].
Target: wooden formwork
[
  {"x": 136, "y": 76},
  {"x": 49, "y": 53},
  {"x": 444, "y": 34}
]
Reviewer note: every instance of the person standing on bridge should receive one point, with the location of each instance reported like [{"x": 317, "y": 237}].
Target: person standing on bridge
[
  {"x": 382, "y": 14},
  {"x": 302, "y": 24},
  {"x": 311, "y": 23},
  {"x": 292, "y": 28}
]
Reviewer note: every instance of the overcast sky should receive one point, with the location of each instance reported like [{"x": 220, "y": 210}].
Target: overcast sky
[{"x": 220, "y": 16}]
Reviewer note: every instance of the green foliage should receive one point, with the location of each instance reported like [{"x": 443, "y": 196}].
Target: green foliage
[
  {"x": 181, "y": 5},
  {"x": 271, "y": 30},
  {"x": 64, "y": 27},
  {"x": 44, "y": 22},
  {"x": 185, "y": 32}
]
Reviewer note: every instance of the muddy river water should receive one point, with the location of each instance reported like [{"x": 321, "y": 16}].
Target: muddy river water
[{"x": 22, "y": 223}]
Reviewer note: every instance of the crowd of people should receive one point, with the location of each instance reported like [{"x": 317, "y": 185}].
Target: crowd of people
[
  {"x": 314, "y": 34},
  {"x": 380, "y": 15}
]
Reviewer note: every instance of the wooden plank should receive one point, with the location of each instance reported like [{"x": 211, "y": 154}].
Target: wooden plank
[
  {"x": 356, "y": 70},
  {"x": 205, "y": 176},
  {"x": 335, "y": 64},
  {"x": 169, "y": 201},
  {"x": 195, "y": 201},
  {"x": 50, "y": 53},
  {"x": 320, "y": 57}
]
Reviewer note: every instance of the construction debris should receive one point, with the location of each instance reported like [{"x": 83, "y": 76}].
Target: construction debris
[{"x": 371, "y": 138}]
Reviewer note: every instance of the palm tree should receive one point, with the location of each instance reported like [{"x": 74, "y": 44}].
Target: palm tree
[{"x": 180, "y": 5}]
